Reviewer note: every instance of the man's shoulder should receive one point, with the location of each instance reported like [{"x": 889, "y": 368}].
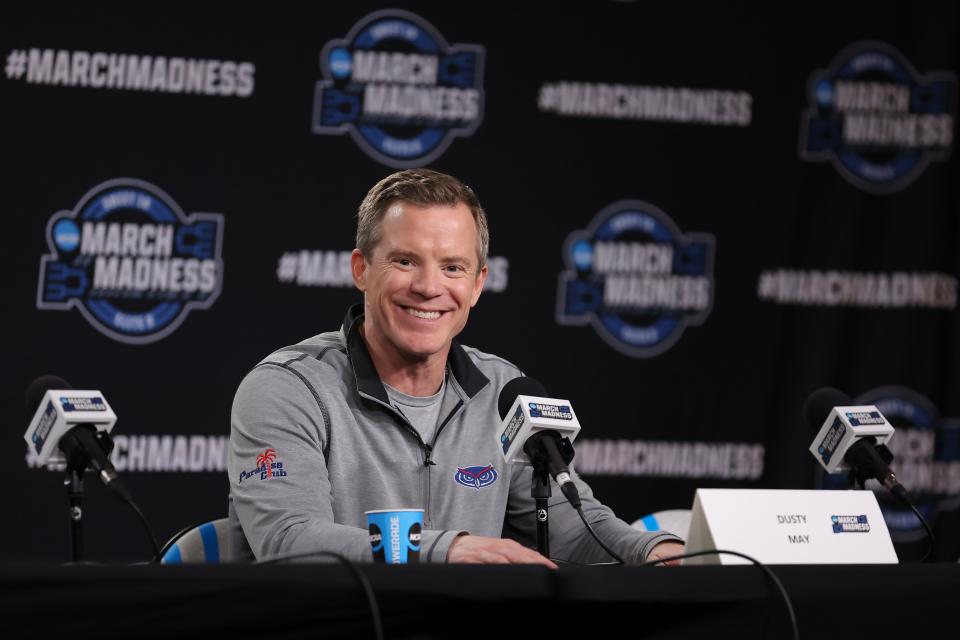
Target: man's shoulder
[
  {"x": 308, "y": 373},
  {"x": 317, "y": 348},
  {"x": 492, "y": 365},
  {"x": 325, "y": 353}
]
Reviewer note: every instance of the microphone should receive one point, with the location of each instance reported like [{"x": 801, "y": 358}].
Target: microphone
[
  {"x": 539, "y": 431},
  {"x": 851, "y": 437},
  {"x": 72, "y": 426}
]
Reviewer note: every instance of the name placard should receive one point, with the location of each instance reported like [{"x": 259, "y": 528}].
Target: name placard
[{"x": 781, "y": 526}]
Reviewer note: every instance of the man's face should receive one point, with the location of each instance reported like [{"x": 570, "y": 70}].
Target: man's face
[{"x": 421, "y": 280}]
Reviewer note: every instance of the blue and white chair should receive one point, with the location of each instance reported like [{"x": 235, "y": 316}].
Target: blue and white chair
[
  {"x": 675, "y": 521},
  {"x": 202, "y": 543}
]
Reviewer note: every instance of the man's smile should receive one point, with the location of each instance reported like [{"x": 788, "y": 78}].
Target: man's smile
[{"x": 423, "y": 314}]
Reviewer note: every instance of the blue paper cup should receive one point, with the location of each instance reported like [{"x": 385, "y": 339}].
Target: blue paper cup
[{"x": 395, "y": 535}]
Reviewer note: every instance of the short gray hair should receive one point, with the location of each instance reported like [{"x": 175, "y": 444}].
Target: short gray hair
[{"x": 423, "y": 188}]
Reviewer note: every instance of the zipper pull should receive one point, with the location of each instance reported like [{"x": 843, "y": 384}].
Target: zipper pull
[{"x": 428, "y": 462}]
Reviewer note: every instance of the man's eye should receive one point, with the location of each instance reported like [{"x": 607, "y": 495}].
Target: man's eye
[
  {"x": 403, "y": 262},
  {"x": 454, "y": 269}
]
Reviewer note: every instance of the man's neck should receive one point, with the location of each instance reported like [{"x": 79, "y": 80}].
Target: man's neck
[{"x": 414, "y": 377}]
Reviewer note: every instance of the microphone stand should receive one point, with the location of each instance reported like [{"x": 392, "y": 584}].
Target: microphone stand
[
  {"x": 537, "y": 447},
  {"x": 856, "y": 481},
  {"x": 74, "y": 484},
  {"x": 78, "y": 459},
  {"x": 540, "y": 490}
]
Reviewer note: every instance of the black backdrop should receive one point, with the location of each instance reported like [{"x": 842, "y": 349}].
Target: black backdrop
[{"x": 656, "y": 425}]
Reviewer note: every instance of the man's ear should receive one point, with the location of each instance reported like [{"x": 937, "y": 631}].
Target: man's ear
[
  {"x": 478, "y": 285},
  {"x": 358, "y": 267}
]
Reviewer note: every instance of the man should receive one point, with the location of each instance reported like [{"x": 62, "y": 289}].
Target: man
[{"x": 392, "y": 412}]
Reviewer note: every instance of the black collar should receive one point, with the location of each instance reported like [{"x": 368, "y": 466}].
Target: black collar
[{"x": 467, "y": 375}]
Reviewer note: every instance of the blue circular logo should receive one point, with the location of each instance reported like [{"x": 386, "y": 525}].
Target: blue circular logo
[
  {"x": 824, "y": 93},
  {"x": 66, "y": 235},
  {"x": 582, "y": 254},
  {"x": 340, "y": 63}
]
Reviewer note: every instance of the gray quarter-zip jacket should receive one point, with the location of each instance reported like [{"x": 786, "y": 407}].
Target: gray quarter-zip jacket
[{"x": 315, "y": 442}]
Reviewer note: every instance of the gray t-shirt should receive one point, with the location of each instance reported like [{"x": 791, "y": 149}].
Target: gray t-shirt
[{"x": 422, "y": 411}]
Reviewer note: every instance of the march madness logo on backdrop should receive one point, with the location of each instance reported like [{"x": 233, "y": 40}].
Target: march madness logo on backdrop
[
  {"x": 636, "y": 279},
  {"x": 398, "y": 88},
  {"x": 877, "y": 119},
  {"x": 130, "y": 260}
]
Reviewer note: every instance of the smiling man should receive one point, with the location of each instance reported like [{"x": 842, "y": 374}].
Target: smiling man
[
  {"x": 392, "y": 412},
  {"x": 421, "y": 270}
]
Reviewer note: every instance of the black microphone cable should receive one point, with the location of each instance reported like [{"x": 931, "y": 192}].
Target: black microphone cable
[
  {"x": 124, "y": 495},
  {"x": 901, "y": 494},
  {"x": 610, "y": 552},
  {"x": 362, "y": 579},
  {"x": 84, "y": 444},
  {"x": 767, "y": 571}
]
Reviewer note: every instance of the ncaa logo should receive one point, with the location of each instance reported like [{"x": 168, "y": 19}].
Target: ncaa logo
[
  {"x": 636, "y": 279},
  {"x": 876, "y": 119},
  {"x": 400, "y": 91},
  {"x": 131, "y": 261}
]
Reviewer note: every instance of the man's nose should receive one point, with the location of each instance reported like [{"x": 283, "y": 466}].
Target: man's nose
[{"x": 426, "y": 282}]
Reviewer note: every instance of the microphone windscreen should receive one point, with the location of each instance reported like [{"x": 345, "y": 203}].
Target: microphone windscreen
[
  {"x": 39, "y": 387},
  {"x": 522, "y": 386},
  {"x": 821, "y": 402}
]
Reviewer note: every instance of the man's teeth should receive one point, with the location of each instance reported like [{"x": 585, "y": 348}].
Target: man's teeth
[{"x": 426, "y": 315}]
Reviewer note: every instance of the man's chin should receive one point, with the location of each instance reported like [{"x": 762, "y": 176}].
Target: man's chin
[
  {"x": 420, "y": 351},
  {"x": 421, "y": 354}
]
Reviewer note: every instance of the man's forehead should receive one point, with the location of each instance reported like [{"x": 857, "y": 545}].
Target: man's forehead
[
  {"x": 396, "y": 209},
  {"x": 400, "y": 213},
  {"x": 398, "y": 237}
]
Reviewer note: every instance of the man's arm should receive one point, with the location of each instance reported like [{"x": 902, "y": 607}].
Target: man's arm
[
  {"x": 569, "y": 539},
  {"x": 275, "y": 417},
  {"x": 486, "y": 550}
]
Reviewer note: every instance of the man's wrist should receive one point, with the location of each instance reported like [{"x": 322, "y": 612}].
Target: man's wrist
[{"x": 446, "y": 543}]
